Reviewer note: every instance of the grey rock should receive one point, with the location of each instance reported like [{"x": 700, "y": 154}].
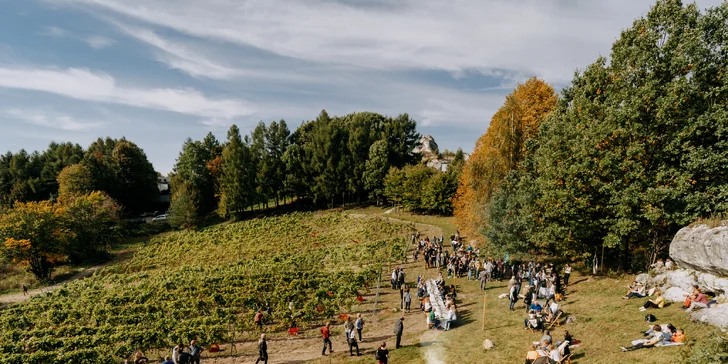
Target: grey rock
[
  {"x": 716, "y": 316},
  {"x": 702, "y": 248}
]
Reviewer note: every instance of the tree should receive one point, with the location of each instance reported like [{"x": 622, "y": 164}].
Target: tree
[
  {"x": 377, "y": 166},
  {"x": 237, "y": 179},
  {"x": 90, "y": 220},
  {"x": 75, "y": 179},
  {"x": 500, "y": 150},
  {"x": 34, "y": 235},
  {"x": 193, "y": 183},
  {"x": 136, "y": 178}
]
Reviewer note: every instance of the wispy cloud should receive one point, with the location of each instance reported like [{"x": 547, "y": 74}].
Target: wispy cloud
[
  {"x": 86, "y": 85},
  {"x": 95, "y": 41},
  {"x": 50, "y": 120},
  {"x": 99, "y": 42}
]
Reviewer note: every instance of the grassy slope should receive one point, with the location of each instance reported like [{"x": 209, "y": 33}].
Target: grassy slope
[{"x": 604, "y": 321}]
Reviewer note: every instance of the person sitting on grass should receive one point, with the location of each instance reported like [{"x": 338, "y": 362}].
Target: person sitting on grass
[
  {"x": 532, "y": 355},
  {"x": 636, "y": 290},
  {"x": 536, "y": 307},
  {"x": 657, "y": 337},
  {"x": 668, "y": 329},
  {"x": 658, "y": 302}
]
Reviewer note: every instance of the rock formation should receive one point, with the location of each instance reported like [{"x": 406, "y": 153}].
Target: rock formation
[
  {"x": 701, "y": 253},
  {"x": 428, "y": 149}
]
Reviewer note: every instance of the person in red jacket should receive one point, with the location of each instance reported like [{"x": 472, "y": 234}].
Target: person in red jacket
[{"x": 325, "y": 333}]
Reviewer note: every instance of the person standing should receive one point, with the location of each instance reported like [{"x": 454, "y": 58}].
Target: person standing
[
  {"x": 176, "y": 351},
  {"x": 382, "y": 354},
  {"x": 359, "y": 324},
  {"x": 394, "y": 278},
  {"x": 258, "y": 319},
  {"x": 351, "y": 338},
  {"x": 398, "y": 330},
  {"x": 567, "y": 273},
  {"x": 195, "y": 352},
  {"x": 407, "y": 300},
  {"x": 513, "y": 295},
  {"x": 262, "y": 350},
  {"x": 483, "y": 279},
  {"x": 25, "y": 290},
  {"x": 325, "y": 333}
]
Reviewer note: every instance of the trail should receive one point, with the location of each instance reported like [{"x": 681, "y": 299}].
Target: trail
[{"x": 20, "y": 297}]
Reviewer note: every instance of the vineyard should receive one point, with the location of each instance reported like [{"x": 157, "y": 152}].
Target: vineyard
[{"x": 206, "y": 285}]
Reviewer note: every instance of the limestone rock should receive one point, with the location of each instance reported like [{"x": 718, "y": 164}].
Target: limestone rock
[
  {"x": 643, "y": 278},
  {"x": 675, "y": 294},
  {"x": 702, "y": 248},
  {"x": 681, "y": 278},
  {"x": 426, "y": 146},
  {"x": 487, "y": 344},
  {"x": 716, "y": 316}
]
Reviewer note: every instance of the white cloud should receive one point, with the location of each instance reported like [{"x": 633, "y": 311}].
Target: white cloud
[
  {"x": 83, "y": 84},
  {"x": 546, "y": 38},
  {"x": 50, "y": 120},
  {"x": 55, "y": 32},
  {"x": 99, "y": 42}
]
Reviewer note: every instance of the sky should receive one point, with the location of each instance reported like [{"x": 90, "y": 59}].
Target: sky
[{"x": 160, "y": 71}]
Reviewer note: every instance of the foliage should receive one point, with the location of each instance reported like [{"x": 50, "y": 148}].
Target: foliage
[
  {"x": 237, "y": 180},
  {"x": 500, "y": 150},
  {"x": 711, "y": 350},
  {"x": 90, "y": 219},
  {"x": 75, "y": 179},
  {"x": 376, "y": 169},
  {"x": 206, "y": 285},
  {"x": 419, "y": 188}
]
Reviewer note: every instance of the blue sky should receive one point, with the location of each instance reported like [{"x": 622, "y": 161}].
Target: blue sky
[{"x": 159, "y": 71}]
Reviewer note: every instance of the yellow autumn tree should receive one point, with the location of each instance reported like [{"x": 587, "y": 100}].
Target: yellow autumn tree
[{"x": 499, "y": 150}]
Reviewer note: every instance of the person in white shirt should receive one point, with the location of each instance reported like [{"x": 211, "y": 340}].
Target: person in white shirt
[
  {"x": 554, "y": 353},
  {"x": 567, "y": 273},
  {"x": 451, "y": 316}
]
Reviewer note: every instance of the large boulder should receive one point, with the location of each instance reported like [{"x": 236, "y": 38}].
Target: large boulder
[
  {"x": 675, "y": 294},
  {"x": 716, "y": 316},
  {"x": 702, "y": 248},
  {"x": 426, "y": 146}
]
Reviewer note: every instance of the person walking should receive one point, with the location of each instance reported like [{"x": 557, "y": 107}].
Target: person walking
[
  {"x": 398, "y": 330},
  {"x": 25, "y": 290},
  {"x": 352, "y": 343},
  {"x": 195, "y": 352},
  {"x": 359, "y": 325},
  {"x": 382, "y": 354},
  {"x": 262, "y": 350},
  {"x": 325, "y": 333}
]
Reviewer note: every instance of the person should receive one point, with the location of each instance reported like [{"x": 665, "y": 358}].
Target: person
[
  {"x": 658, "y": 302},
  {"x": 262, "y": 350},
  {"x": 407, "y": 300},
  {"x": 532, "y": 322},
  {"x": 567, "y": 274},
  {"x": 352, "y": 343},
  {"x": 657, "y": 337},
  {"x": 25, "y": 290},
  {"x": 532, "y": 355},
  {"x": 678, "y": 336},
  {"x": 176, "y": 351},
  {"x": 382, "y": 354},
  {"x": 398, "y": 330},
  {"x": 547, "y": 337},
  {"x": 483, "y": 279},
  {"x": 359, "y": 325},
  {"x": 536, "y": 306},
  {"x": 348, "y": 327},
  {"x": 258, "y": 319},
  {"x": 325, "y": 333},
  {"x": 700, "y": 301},
  {"x": 139, "y": 358},
  {"x": 513, "y": 295},
  {"x": 195, "y": 352},
  {"x": 432, "y": 321},
  {"x": 394, "y": 278},
  {"x": 167, "y": 360},
  {"x": 689, "y": 299},
  {"x": 637, "y": 290},
  {"x": 554, "y": 353},
  {"x": 551, "y": 294},
  {"x": 451, "y": 316},
  {"x": 669, "y": 264}
]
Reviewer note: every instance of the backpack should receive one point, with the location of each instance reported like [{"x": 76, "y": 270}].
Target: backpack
[
  {"x": 650, "y": 318},
  {"x": 378, "y": 354}
]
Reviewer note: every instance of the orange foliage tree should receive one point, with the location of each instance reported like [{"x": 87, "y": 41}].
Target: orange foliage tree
[{"x": 499, "y": 150}]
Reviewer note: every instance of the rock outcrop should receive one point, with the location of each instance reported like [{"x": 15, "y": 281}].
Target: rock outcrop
[
  {"x": 701, "y": 253},
  {"x": 702, "y": 248},
  {"x": 430, "y": 152}
]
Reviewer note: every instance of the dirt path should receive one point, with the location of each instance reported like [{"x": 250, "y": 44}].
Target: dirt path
[{"x": 20, "y": 297}]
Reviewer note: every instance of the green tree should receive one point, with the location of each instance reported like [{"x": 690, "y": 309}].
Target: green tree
[
  {"x": 377, "y": 166},
  {"x": 135, "y": 177},
  {"x": 237, "y": 179},
  {"x": 90, "y": 220},
  {"x": 75, "y": 179}
]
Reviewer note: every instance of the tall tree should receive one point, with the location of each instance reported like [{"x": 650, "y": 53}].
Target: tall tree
[
  {"x": 377, "y": 166},
  {"x": 237, "y": 179},
  {"x": 75, "y": 179},
  {"x": 135, "y": 177}
]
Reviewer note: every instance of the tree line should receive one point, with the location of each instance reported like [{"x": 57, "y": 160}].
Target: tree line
[{"x": 634, "y": 149}]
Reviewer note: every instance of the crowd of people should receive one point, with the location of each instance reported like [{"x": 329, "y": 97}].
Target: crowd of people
[{"x": 181, "y": 354}]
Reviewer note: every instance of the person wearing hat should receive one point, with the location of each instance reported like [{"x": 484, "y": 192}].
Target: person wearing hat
[{"x": 398, "y": 330}]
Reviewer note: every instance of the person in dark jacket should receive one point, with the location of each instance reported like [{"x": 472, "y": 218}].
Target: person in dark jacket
[
  {"x": 262, "y": 350},
  {"x": 398, "y": 330}
]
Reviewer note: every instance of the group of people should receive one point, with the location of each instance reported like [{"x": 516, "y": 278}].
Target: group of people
[
  {"x": 181, "y": 354},
  {"x": 543, "y": 280},
  {"x": 352, "y": 332},
  {"x": 659, "y": 335},
  {"x": 554, "y": 352}
]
